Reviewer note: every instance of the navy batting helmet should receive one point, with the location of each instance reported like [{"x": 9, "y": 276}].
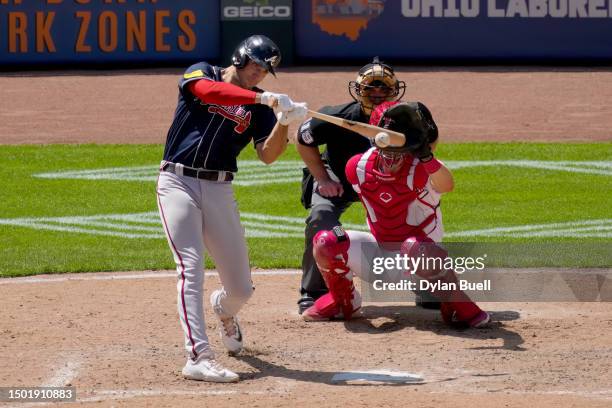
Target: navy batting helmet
[{"x": 259, "y": 49}]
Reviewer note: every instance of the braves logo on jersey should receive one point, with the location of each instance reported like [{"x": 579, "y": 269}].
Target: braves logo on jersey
[{"x": 236, "y": 114}]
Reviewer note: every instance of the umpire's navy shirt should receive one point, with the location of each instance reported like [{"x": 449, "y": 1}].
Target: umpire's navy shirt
[
  {"x": 211, "y": 136},
  {"x": 341, "y": 144}
]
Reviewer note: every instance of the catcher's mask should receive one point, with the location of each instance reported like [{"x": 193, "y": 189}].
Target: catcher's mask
[
  {"x": 375, "y": 84},
  {"x": 259, "y": 49},
  {"x": 407, "y": 118}
]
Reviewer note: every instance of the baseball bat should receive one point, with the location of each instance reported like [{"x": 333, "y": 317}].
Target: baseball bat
[{"x": 364, "y": 129}]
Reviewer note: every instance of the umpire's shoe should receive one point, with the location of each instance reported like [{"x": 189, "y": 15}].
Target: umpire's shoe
[
  {"x": 304, "y": 303},
  {"x": 229, "y": 328},
  {"x": 426, "y": 300}
]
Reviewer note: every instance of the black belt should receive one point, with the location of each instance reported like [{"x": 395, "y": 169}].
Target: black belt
[{"x": 201, "y": 174}]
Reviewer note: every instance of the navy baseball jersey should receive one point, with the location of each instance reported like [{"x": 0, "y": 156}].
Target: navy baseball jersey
[
  {"x": 211, "y": 136},
  {"x": 342, "y": 144}
]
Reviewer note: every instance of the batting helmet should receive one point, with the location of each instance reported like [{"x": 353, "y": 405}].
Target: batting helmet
[
  {"x": 376, "y": 75},
  {"x": 260, "y": 49},
  {"x": 413, "y": 119}
]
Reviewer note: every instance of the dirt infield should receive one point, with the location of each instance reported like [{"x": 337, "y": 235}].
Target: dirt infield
[
  {"x": 116, "y": 338},
  {"x": 478, "y": 104}
]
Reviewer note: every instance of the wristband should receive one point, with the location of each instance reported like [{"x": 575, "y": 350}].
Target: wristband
[
  {"x": 432, "y": 165},
  {"x": 265, "y": 98}
]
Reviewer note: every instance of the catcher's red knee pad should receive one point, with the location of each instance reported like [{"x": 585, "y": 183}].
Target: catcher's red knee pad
[
  {"x": 455, "y": 303},
  {"x": 431, "y": 254},
  {"x": 330, "y": 249},
  {"x": 431, "y": 265},
  {"x": 417, "y": 246}
]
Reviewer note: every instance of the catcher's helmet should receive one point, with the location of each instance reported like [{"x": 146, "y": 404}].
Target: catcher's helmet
[
  {"x": 376, "y": 75},
  {"x": 260, "y": 49},
  {"x": 413, "y": 119}
]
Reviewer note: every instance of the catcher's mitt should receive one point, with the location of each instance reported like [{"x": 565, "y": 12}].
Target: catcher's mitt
[{"x": 414, "y": 120}]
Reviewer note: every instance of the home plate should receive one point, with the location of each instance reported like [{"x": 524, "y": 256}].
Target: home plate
[{"x": 377, "y": 377}]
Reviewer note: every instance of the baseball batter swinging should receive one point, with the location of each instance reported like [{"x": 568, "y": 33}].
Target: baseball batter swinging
[
  {"x": 400, "y": 188},
  {"x": 219, "y": 111}
]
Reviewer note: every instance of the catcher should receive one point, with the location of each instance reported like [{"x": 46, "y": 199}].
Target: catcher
[
  {"x": 325, "y": 190},
  {"x": 400, "y": 188}
]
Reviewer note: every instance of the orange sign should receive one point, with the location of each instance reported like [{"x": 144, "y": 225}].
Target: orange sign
[{"x": 345, "y": 17}]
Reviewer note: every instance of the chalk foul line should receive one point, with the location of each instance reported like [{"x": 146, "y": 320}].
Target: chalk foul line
[
  {"x": 254, "y": 173},
  {"x": 146, "y": 225}
]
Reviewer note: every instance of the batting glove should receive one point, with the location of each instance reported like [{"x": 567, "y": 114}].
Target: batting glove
[
  {"x": 279, "y": 102},
  {"x": 298, "y": 112}
]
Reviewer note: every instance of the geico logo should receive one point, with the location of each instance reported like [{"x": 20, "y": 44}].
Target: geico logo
[{"x": 256, "y": 11}]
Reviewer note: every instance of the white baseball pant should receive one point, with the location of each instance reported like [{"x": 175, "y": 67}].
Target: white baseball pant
[{"x": 197, "y": 215}]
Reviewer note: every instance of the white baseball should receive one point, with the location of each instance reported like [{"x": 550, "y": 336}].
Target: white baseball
[{"x": 382, "y": 139}]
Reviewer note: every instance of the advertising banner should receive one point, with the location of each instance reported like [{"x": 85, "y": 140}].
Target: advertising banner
[
  {"x": 232, "y": 10},
  {"x": 449, "y": 29},
  {"x": 103, "y": 31}
]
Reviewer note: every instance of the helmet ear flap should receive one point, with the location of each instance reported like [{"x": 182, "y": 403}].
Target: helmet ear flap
[{"x": 240, "y": 57}]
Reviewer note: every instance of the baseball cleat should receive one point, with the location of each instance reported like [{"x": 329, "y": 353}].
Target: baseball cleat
[
  {"x": 231, "y": 335},
  {"x": 479, "y": 321},
  {"x": 482, "y": 319},
  {"x": 208, "y": 369},
  {"x": 304, "y": 303},
  {"x": 229, "y": 328},
  {"x": 325, "y": 308},
  {"x": 314, "y": 314}
]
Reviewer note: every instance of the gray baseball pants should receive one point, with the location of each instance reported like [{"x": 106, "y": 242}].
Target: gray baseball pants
[{"x": 198, "y": 215}]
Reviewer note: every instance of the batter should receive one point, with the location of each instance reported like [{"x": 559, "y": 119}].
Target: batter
[{"x": 219, "y": 112}]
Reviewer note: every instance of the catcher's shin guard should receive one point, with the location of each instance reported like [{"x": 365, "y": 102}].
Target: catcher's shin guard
[
  {"x": 330, "y": 249},
  {"x": 456, "y": 305},
  {"x": 326, "y": 308}
]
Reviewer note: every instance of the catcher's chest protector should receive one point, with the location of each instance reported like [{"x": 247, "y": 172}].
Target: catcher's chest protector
[{"x": 398, "y": 205}]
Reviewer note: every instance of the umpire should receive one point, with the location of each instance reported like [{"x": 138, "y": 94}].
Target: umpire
[{"x": 325, "y": 189}]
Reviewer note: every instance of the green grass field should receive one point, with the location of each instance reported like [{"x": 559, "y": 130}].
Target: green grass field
[{"x": 529, "y": 192}]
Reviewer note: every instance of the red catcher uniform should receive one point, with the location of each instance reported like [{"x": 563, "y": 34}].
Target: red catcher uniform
[
  {"x": 399, "y": 205},
  {"x": 402, "y": 208}
]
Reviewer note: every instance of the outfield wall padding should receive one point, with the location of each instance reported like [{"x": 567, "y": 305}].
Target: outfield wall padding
[{"x": 121, "y": 32}]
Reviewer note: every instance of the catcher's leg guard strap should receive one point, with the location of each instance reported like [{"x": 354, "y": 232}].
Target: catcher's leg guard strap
[
  {"x": 330, "y": 250},
  {"x": 323, "y": 216}
]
